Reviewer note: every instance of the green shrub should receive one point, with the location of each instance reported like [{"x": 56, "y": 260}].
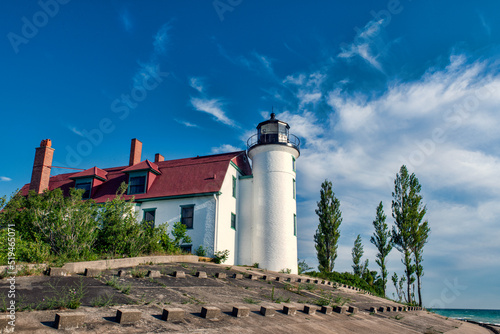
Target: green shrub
[
  {"x": 201, "y": 251},
  {"x": 221, "y": 256}
]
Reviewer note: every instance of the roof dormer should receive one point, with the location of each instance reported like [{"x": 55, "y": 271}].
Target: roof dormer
[
  {"x": 88, "y": 180},
  {"x": 141, "y": 176}
]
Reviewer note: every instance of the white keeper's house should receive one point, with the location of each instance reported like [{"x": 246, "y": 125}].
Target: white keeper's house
[{"x": 225, "y": 202}]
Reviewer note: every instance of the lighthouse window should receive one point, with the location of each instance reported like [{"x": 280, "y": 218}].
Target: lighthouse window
[
  {"x": 293, "y": 163},
  {"x": 294, "y": 189},
  {"x": 294, "y": 224},
  {"x": 233, "y": 221},
  {"x": 187, "y": 213}
]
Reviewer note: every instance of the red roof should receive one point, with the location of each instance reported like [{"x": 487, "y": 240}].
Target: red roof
[
  {"x": 180, "y": 177},
  {"x": 91, "y": 172},
  {"x": 144, "y": 165}
]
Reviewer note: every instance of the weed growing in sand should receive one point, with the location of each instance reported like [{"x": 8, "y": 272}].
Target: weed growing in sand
[
  {"x": 138, "y": 273},
  {"x": 114, "y": 283},
  {"x": 249, "y": 300},
  {"x": 64, "y": 297},
  {"x": 103, "y": 301}
]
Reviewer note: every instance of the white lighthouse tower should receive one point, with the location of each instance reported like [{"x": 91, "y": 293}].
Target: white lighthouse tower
[{"x": 273, "y": 151}]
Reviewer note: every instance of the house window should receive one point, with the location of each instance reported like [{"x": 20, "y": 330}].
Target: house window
[
  {"x": 187, "y": 213},
  {"x": 294, "y": 189},
  {"x": 234, "y": 187},
  {"x": 85, "y": 185},
  {"x": 137, "y": 184},
  {"x": 149, "y": 216},
  {"x": 294, "y": 224},
  {"x": 293, "y": 163},
  {"x": 187, "y": 248},
  {"x": 233, "y": 221}
]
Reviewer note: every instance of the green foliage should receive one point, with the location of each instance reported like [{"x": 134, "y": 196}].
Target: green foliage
[
  {"x": 221, "y": 256},
  {"x": 381, "y": 238},
  {"x": 50, "y": 227},
  {"x": 357, "y": 254},
  {"x": 179, "y": 232},
  {"x": 350, "y": 279},
  {"x": 303, "y": 267},
  {"x": 200, "y": 251},
  {"x": 410, "y": 232},
  {"x": 327, "y": 234}
]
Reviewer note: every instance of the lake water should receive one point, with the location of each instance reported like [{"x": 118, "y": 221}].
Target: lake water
[{"x": 484, "y": 316}]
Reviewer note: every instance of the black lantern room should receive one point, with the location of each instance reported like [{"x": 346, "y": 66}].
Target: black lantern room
[{"x": 273, "y": 131}]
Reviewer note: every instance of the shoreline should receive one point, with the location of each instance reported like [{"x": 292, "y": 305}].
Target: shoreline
[{"x": 492, "y": 327}]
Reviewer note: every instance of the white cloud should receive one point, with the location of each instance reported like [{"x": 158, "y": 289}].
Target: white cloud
[
  {"x": 196, "y": 83},
  {"x": 226, "y": 148},
  {"x": 161, "y": 39},
  {"x": 212, "y": 107},
  {"x": 363, "y": 44},
  {"x": 186, "y": 123},
  {"x": 5, "y": 179},
  {"x": 443, "y": 126},
  {"x": 151, "y": 69},
  {"x": 75, "y": 130}
]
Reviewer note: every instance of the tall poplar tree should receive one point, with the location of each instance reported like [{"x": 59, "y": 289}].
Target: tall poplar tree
[
  {"x": 357, "y": 254},
  {"x": 327, "y": 233},
  {"x": 381, "y": 238},
  {"x": 420, "y": 232},
  {"x": 402, "y": 231},
  {"x": 410, "y": 232}
]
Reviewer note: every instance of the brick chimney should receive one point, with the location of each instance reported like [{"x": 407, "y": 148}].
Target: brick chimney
[
  {"x": 135, "y": 152},
  {"x": 159, "y": 157},
  {"x": 41, "y": 167}
]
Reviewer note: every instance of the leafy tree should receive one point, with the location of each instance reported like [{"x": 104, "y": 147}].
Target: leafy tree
[
  {"x": 179, "y": 232},
  {"x": 327, "y": 234},
  {"x": 398, "y": 284},
  {"x": 303, "y": 267},
  {"x": 405, "y": 186},
  {"x": 357, "y": 254},
  {"x": 67, "y": 224},
  {"x": 381, "y": 238},
  {"x": 420, "y": 232}
]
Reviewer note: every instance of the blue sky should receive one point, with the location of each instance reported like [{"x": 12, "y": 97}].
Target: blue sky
[{"x": 366, "y": 85}]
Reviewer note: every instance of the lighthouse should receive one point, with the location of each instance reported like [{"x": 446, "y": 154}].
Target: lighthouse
[{"x": 273, "y": 151}]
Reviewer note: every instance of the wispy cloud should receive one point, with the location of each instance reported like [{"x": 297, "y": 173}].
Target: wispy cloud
[
  {"x": 126, "y": 20},
  {"x": 196, "y": 83},
  {"x": 363, "y": 44},
  {"x": 484, "y": 23},
  {"x": 75, "y": 130},
  {"x": 186, "y": 123},
  {"x": 255, "y": 62},
  {"x": 161, "y": 39},
  {"x": 150, "y": 69},
  {"x": 212, "y": 107},
  {"x": 225, "y": 149},
  {"x": 5, "y": 179}
]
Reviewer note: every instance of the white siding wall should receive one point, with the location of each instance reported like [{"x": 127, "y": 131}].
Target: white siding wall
[
  {"x": 169, "y": 210},
  {"x": 226, "y": 236},
  {"x": 245, "y": 221}
]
